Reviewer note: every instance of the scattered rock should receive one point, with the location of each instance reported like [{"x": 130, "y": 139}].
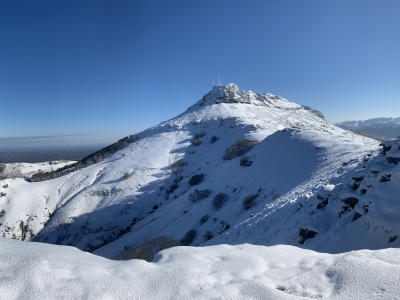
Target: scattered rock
[
  {"x": 385, "y": 178},
  {"x": 356, "y": 216},
  {"x": 323, "y": 203},
  {"x": 358, "y": 178},
  {"x": 196, "y": 179},
  {"x": 393, "y": 160},
  {"x": 306, "y": 234},
  {"x": 214, "y": 139},
  {"x": 350, "y": 202},
  {"x": 245, "y": 162}
]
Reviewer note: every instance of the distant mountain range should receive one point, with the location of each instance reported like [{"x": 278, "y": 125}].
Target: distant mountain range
[{"x": 386, "y": 128}]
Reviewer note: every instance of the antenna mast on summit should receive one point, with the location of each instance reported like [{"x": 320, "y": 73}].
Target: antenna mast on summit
[{"x": 219, "y": 83}]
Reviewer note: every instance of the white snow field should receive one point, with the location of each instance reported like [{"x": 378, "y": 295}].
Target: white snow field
[{"x": 39, "y": 271}]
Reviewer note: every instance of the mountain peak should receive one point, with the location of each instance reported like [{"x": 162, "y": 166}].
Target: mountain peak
[{"x": 231, "y": 93}]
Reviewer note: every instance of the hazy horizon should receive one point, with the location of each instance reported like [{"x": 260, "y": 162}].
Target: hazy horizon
[{"x": 55, "y": 141}]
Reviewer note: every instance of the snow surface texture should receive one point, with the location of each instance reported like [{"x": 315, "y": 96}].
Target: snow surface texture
[
  {"x": 101, "y": 210},
  {"x": 38, "y": 271}
]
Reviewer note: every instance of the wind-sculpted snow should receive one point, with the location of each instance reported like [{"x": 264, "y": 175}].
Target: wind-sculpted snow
[
  {"x": 39, "y": 271},
  {"x": 143, "y": 190}
]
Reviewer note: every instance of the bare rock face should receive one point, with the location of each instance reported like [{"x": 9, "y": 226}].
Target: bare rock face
[
  {"x": 232, "y": 94},
  {"x": 306, "y": 234},
  {"x": 227, "y": 93},
  {"x": 314, "y": 111},
  {"x": 391, "y": 149}
]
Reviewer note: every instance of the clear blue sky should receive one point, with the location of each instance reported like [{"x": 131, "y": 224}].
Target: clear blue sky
[{"x": 105, "y": 69}]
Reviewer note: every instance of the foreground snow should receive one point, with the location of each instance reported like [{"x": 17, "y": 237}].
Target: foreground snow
[{"x": 40, "y": 271}]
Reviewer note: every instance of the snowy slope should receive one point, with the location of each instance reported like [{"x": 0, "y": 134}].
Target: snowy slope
[
  {"x": 96, "y": 209},
  {"x": 26, "y": 170},
  {"x": 39, "y": 271},
  {"x": 354, "y": 210}
]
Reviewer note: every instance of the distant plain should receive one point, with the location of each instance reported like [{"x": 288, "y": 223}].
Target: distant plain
[{"x": 43, "y": 154}]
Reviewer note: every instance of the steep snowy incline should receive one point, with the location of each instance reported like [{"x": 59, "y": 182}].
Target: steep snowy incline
[
  {"x": 354, "y": 210},
  {"x": 39, "y": 271},
  {"x": 287, "y": 166},
  {"x": 146, "y": 189}
]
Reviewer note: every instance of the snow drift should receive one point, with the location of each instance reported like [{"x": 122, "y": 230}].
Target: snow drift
[{"x": 38, "y": 271}]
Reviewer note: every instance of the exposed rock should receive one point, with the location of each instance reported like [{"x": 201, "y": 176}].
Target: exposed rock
[
  {"x": 375, "y": 172},
  {"x": 245, "y": 162},
  {"x": 356, "y": 216},
  {"x": 358, "y": 178},
  {"x": 350, "y": 202},
  {"x": 393, "y": 160},
  {"x": 323, "y": 203},
  {"x": 356, "y": 185},
  {"x": 306, "y": 234},
  {"x": 385, "y": 177},
  {"x": 385, "y": 148},
  {"x": 314, "y": 111}
]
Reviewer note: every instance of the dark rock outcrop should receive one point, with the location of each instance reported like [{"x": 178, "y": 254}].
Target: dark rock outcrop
[{"x": 306, "y": 234}]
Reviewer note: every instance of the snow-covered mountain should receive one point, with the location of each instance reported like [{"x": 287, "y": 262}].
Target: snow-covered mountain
[
  {"x": 190, "y": 176},
  {"x": 386, "y": 128},
  {"x": 237, "y": 167}
]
